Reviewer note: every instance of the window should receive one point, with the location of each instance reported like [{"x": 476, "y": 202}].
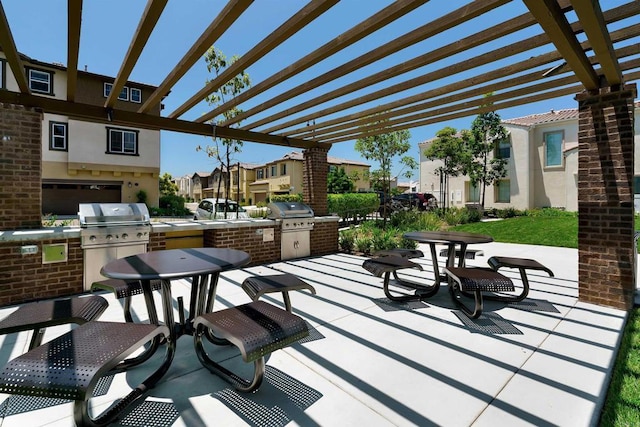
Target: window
[
  {"x": 40, "y": 81},
  {"x": 136, "y": 95},
  {"x": 283, "y": 169},
  {"x": 473, "y": 193},
  {"x": 58, "y": 136},
  {"x": 553, "y": 149},
  {"x": 274, "y": 171},
  {"x": 503, "y": 150},
  {"x": 124, "y": 93},
  {"x": 260, "y": 174},
  {"x": 503, "y": 191},
  {"x": 121, "y": 141}
]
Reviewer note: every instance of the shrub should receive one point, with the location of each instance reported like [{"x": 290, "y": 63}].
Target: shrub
[
  {"x": 363, "y": 244},
  {"x": 141, "y": 196},
  {"x": 286, "y": 198},
  {"x": 171, "y": 205},
  {"x": 347, "y": 240}
]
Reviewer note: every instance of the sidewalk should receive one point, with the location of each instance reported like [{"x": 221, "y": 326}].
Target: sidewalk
[{"x": 545, "y": 361}]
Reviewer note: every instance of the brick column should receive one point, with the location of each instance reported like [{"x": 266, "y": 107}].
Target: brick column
[
  {"x": 20, "y": 167},
  {"x": 606, "y": 253},
  {"x": 314, "y": 180}
]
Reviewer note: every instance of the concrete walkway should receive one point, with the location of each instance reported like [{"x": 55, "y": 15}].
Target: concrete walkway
[{"x": 369, "y": 362}]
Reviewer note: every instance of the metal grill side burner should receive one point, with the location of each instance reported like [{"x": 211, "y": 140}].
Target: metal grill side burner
[
  {"x": 297, "y": 223},
  {"x": 111, "y": 231}
]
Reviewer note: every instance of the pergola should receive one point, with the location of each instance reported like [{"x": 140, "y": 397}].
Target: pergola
[
  {"x": 567, "y": 47},
  {"x": 571, "y": 65}
]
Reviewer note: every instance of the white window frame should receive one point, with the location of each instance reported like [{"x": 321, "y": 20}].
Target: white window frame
[
  {"x": 546, "y": 149},
  {"x": 48, "y": 82},
  {"x": 274, "y": 170},
  {"x": 283, "y": 169},
  {"x": 64, "y": 138},
  {"x": 124, "y": 93},
  {"x": 137, "y": 98},
  {"x": 503, "y": 145},
  {"x": 123, "y": 149},
  {"x": 471, "y": 189}
]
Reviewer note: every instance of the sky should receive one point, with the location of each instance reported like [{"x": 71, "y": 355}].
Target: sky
[{"x": 39, "y": 30}]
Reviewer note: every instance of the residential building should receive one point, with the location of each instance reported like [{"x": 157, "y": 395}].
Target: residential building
[
  {"x": 185, "y": 186},
  {"x": 88, "y": 161},
  {"x": 253, "y": 183},
  {"x": 542, "y": 169}
]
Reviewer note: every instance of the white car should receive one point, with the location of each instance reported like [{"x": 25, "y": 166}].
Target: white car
[{"x": 215, "y": 209}]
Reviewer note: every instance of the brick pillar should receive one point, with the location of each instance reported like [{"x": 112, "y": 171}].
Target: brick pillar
[
  {"x": 314, "y": 180},
  {"x": 20, "y": 167},
  {"x": 606, "y": 253}
]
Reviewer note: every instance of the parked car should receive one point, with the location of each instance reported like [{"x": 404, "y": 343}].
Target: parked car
[
  {"x": 215, "y": 209},
  {"x": 421, "y": 201}
]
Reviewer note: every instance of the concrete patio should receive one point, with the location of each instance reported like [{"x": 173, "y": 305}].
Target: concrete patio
[{"x": 545, "y": 361}]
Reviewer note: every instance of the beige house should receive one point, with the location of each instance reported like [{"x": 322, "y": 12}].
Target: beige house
[
  {"x": 542, "y": 169},
  {"x": 87, "y": 161}
]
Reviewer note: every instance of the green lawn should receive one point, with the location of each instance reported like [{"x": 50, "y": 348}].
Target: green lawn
[{"x": 622, "y": 406}]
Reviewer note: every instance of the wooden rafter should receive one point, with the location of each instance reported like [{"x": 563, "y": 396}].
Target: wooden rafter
[
  {"x": 554, "y": 22},
  {"x": 430, "y": 29},
  {"x": 592, "y": 19},
  {"x": 147, "y": 23},
  {"x": 344, "y": 40},
  {"x": 11, "y": 53},
  {"x": 301, "y": 19},
  {"x": 229, "y": 14},
  {"x": 74, "y": 21},
  {"x": 488, "y": 57}
]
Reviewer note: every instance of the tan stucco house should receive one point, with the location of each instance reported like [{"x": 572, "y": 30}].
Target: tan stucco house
[
  {"x": 87, "y": 161},
  {"x": 542, "y": 169}
]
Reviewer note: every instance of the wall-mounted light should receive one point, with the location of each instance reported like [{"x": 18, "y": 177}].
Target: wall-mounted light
[{"x": 129, "y": 184}]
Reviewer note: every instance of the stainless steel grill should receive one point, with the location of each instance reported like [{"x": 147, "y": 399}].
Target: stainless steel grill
[
  {"x": 111, "y": 231},
  {"x": 297, "y": 223}
]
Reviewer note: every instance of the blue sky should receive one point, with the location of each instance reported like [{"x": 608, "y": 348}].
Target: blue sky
[{"x": 39, "y": 30}]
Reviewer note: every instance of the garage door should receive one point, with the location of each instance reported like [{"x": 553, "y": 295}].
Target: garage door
[{"x": 64, "y": 198}]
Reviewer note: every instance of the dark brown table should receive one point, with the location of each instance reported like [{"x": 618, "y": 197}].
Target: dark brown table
[
  {"x": 451, "y": 239},
  {"x": 202, "y": 265}
]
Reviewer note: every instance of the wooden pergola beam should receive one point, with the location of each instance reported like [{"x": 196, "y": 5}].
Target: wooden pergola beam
[
  {"x": 99, "y": 114},
  {"x": 554, "y": 22},
  {"x": 422, "y": 33},
  {"x": 229, "y": 14},
  {"x": 590, "y": 14},
  {"x": 387, "y": 15},
  {"x": 11, "y": 53},
  {"x": 298, "y": 21},
  {"x": 147, "y": 23},
  {"x": 74, "y": 22}
]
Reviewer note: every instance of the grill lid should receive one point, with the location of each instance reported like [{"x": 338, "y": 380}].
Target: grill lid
[
  {"x": 105, "y": 214},
  {"x": 280, "y": 210}
]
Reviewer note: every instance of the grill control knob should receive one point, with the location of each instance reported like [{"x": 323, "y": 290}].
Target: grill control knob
[
  {"x": 109, "y": 237},
  {"x": 125, "y": 235},
  {"x": 139, "y": 235},
  {"x": 93, "y": 238}
]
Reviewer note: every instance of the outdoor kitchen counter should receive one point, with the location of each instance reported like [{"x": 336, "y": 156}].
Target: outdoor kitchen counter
[{"x": 157, "y": 226}]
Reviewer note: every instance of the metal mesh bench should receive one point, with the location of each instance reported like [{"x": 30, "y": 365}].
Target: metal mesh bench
[
  {"x": 522, "y": 264},
  {"x": 124, "y": 289},
  {"x": 257, "y": 329},
  {"x": 401, "y": 252},
  {"x": 69, "y": 367},
  {"x": 475, "y": 281},
  {"x": 468, "y": 254},
  {"x": 256, "y": 286},
  {"x": 37, "y": 316},
  {"x": 385, "y": 265}
]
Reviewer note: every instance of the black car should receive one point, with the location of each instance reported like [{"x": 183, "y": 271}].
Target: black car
[{"x": 421, "y": 201}]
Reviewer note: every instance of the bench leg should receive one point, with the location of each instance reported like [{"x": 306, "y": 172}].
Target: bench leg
[
  {"x": 36, "y": 338},
  {"x": 513, "y": 298},
  {"x": 239, "y": 383},
  {"x": 421, "y": 292},
  {"x": 457, "y": 295},
  {"x": 81, "y": 408}
]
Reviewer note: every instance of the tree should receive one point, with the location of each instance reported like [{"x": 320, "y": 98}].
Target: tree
[
  {"x": 167, "y": 186},
  {"x": 224, "y": 148},
  {"x": 339, "y": 182},
  {"x": 482, "y": 167},
  {"x": 451, "y": 147},
  {"x": 383, "y": 148}
]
